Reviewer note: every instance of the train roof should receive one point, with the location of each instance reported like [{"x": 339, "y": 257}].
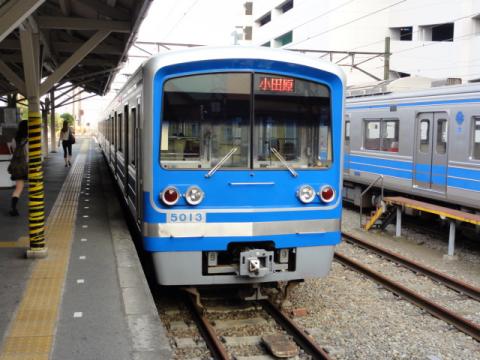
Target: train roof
[
  {"x": 150, "y": 66},
  {"x": 441, "y": 91},
  {"x": 238, "y": 52}
]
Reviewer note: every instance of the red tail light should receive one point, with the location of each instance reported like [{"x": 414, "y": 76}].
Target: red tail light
[
  {"x": 327, "y": 193},
  {"x": 170, "y": 195}
]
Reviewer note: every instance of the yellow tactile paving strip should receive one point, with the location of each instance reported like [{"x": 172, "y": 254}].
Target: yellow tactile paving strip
[
  {"x": 32, "y": 330},
  {"x": 21, "y": 242}
]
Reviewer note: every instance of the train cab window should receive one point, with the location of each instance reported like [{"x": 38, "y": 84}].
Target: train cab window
[
  {"x": 292, "y": 123},
  {"x": 476, "y": 138},
  {"x": 424, "y": 135},
  {"x": 441, "y": 147},
  {"x": 206, "y": 119}
]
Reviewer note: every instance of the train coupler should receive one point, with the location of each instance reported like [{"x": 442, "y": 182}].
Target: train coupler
[{"x": 256, "y": 263}]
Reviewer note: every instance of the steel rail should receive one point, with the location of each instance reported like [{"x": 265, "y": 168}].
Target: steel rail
[
  {"x": 208, "y": 332},
  {"x": 299, "y": 335},
  {"x": 450, "y": 282},
  {"x": 462, "y": 324}
]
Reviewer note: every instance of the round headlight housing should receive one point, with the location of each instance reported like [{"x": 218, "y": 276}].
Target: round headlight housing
[
  {"x": 194, "y": 195},
  {"x": 327, "y": 193},
  {"x": 170, "y": 195},
  {"x": 306, "y": 194}
]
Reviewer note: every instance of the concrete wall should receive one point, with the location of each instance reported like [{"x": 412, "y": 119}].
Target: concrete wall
[{"x": 347, "y": 25}]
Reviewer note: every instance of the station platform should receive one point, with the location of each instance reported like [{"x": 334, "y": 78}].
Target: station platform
[{"x": 89, "y": 298}]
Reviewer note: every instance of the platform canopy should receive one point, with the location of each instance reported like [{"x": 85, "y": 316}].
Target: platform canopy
[{"x": 83, "y": 42}]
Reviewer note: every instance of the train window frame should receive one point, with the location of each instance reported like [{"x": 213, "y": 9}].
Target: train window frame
[
  {"x": 165, "y": 129},
  {"x": 366, "y": 134},
  {"x": 383, "y": 135},
  {"x": 348, "y": 126},
  {"x": 114, "y": 130},
  {"x": 442, "y": 134},
  {"x": 132, "y": 141},
  {"x": 253, "y": 132},
  {"x": 304, "y": 156},
  {"x": 475, "y": 138},
  {"x": 120, "y": 132},
  {"x": 424, "y": 142}
]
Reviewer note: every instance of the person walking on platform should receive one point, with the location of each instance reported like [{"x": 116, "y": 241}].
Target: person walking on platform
[
  {"x": 67, "y": 138},
  {"x": 18, "y": 167}
]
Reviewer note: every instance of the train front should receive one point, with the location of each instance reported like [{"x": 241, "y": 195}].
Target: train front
[{"x": 244, "y": 151}]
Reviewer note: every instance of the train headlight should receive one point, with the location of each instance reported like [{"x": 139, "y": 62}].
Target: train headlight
[
  {"x": 327, "y": 194},
  {"x": 170, "y": 195},
  {"x": 306, "y": 194},
  {"x": 194, "y": 195}
]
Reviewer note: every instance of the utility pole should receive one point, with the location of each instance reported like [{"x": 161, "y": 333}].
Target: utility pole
[{"x": 386, "y": 68}]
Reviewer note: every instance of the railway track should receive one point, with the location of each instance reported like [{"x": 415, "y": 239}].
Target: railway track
[
  {"x": 440, "y": 308},
  {"x": 241, "y": 331}
]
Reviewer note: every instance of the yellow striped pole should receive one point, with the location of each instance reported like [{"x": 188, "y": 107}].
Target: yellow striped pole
[{"x": 36, "y": 197}]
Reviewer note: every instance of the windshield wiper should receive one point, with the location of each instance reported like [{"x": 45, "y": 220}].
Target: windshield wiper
[
  {"x": 220, "y": 163},
  {"x": 283, "y": 161}
]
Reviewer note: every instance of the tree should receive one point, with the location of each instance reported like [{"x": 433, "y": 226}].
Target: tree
[{"x": 67, "y": 117}]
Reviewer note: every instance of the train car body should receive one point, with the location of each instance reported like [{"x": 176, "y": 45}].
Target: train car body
[
  {"x": 425, "y": 143},
  {"x": 230, "y": 160}
]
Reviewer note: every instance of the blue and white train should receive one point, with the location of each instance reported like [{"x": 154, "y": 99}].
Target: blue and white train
[
  {"x": 230, "y": 161},
  {"x": 425, "y": 143}
]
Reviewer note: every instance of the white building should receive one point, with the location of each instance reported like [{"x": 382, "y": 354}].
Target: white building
[{"x": 429, "y": 38}]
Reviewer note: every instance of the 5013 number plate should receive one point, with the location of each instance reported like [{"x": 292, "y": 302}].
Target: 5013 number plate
[{"x": 186, "y": 217}]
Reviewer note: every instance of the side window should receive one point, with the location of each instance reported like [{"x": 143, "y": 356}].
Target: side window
[
  {"x": 476, "y": 138},
  {"x": 424, "y": 135},
  {"x": 347, "y": 132},
  {"x": 131, "y": 136},
  {"x": 389, "y": 135},
  {"x": 372, "y": 134},
  {"x": 442, "y": 129},
  {"x": 114, "y": 129},
  {"x": 120, "y": 132}
]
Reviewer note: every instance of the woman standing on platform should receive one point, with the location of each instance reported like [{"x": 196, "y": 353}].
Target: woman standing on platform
[
  {"x": 67, "y": 139},
  {"x": 18, "y": 167}
]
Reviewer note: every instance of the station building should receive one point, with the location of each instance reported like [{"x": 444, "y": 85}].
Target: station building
[{"x": 434, "y": 39}]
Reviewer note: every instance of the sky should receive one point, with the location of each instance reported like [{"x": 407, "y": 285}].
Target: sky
[{"x": 204, "y": 22}]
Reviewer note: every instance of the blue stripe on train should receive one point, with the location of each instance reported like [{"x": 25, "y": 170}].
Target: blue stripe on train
[
  {"x": 423, "y": 172},
  {"x": 220, "y": 243},
  {"x": 464, "y": 173},
  {"x": 465, "y": 184},
  {"x": 421, "y": 103},
  {"x": 403, "y": 165}
]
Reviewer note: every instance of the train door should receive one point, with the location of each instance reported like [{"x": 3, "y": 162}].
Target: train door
[
  {"x": 430, "y": 166},
  {"x": 346, "y": 155}
]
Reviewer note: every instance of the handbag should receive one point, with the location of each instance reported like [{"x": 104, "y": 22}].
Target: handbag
[
  {"x": 18, "y": 166},
  {"x": 71, "y": 137}
]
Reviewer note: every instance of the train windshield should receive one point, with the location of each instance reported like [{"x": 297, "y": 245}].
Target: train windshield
[{"x": 245, "y": 120}]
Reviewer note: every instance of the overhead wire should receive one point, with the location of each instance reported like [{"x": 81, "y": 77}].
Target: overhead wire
[
  {"x": 181, "y": 18},
  {"x": 347, "y": 23},
  {"x": 323, "y": 14}
]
